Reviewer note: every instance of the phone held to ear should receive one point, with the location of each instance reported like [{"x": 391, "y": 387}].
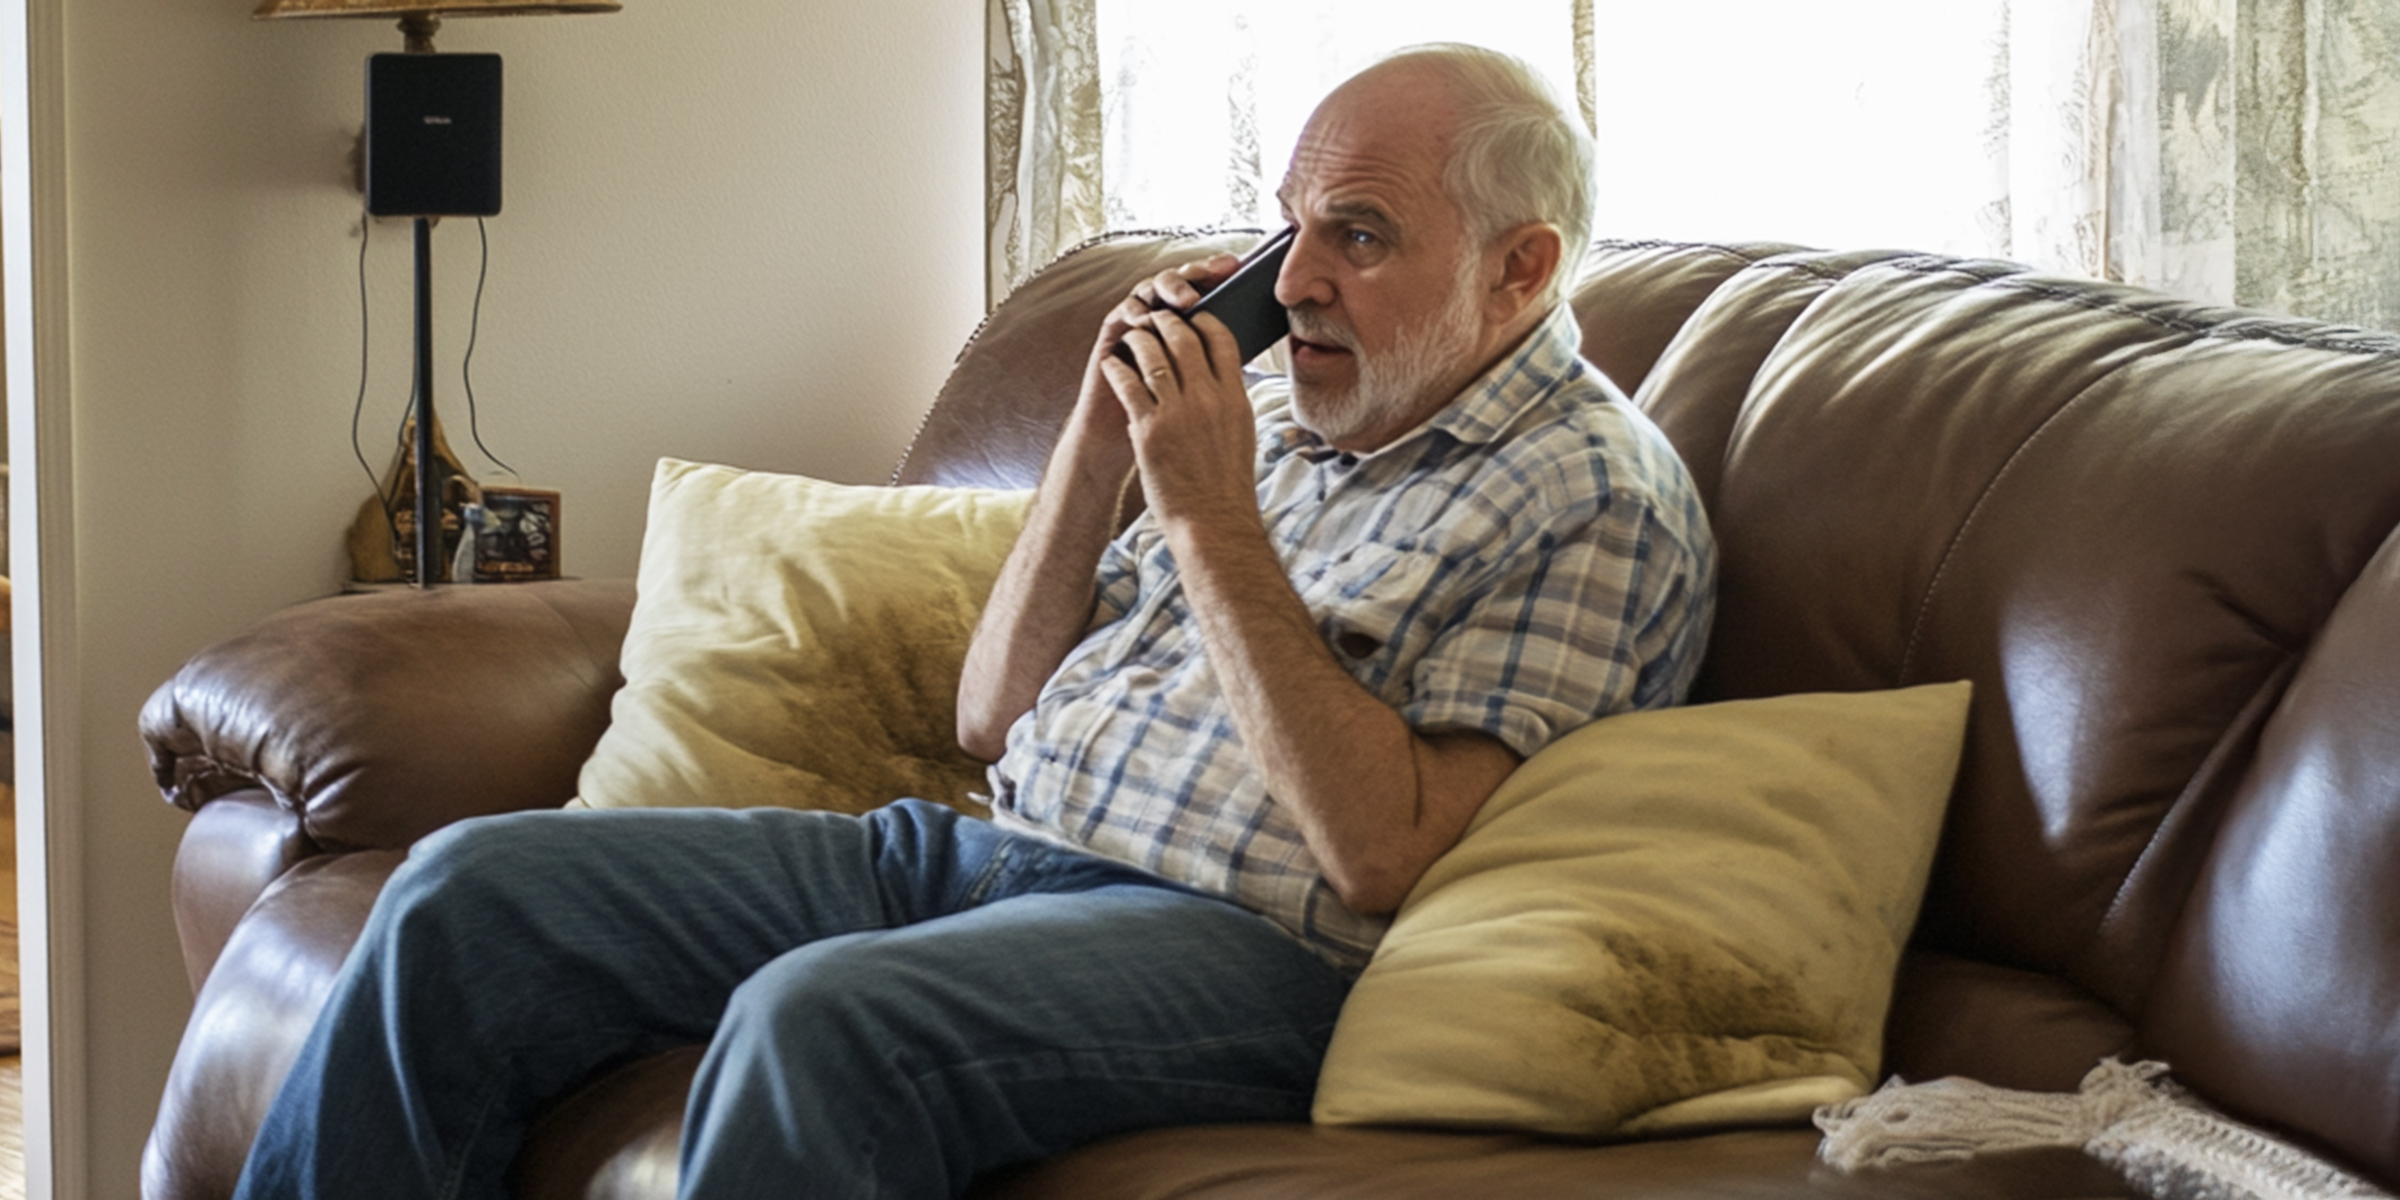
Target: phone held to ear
[{"x": 1245, "y": 301}]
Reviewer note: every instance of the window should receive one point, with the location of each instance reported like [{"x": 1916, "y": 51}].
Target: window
[{"x": 2095, "y": 137}]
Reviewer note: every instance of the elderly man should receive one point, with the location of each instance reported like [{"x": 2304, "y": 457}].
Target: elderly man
[{"x": 1227, "y": 740}]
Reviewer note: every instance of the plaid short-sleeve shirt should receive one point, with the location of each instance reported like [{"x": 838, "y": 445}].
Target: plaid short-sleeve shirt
[{"x": 1530, "y": 558}]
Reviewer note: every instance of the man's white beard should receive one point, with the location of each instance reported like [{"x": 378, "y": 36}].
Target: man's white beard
[{"x": 1397, "y": 380}]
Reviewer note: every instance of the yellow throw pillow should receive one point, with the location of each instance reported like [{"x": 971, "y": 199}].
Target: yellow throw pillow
[
  {"x": 798, "y": 643},
  {"x": 1664, "y": 921}
]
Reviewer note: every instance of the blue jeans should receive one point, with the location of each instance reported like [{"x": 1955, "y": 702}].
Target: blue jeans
[{"x": 891, "y": 1004}]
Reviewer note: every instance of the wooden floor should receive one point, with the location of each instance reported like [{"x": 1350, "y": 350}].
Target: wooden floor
[
  {"x": 12, "y": 1128},
  {"x": 12, "y": 1065}
]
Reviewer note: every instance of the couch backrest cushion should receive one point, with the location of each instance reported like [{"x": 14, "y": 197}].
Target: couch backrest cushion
[
  {"x": 2128, "y": 520},
  {"x": 1631, "y": 297},
  {"x": 2123, "y": 517}
]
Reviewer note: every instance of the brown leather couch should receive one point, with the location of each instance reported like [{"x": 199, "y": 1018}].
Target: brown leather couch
[{"x": 2159, "y": 537}]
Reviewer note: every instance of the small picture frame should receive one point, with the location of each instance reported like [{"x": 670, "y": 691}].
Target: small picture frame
[{"x": 519, "y": 539}]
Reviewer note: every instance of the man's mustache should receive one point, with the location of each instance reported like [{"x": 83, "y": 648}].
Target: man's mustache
[{"x": 1312, "y": 325}]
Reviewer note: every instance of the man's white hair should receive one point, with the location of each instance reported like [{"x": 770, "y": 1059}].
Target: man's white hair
[{"x": 1518, "y": 156}]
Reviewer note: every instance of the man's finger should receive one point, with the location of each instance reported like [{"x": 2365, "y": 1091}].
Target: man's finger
[
  {"x": 1125, "y": 381},
  {"x": 1181, "y": 287},
  {"x": 1189, "y": 345},
  {"x": 1212, "y": 268},
  {"x": 1178, "y": 288},
  {"x": 1153, "y": 366},
  {"x": 1223, "y": 348},
  {"x": 1175, "y": 293}
]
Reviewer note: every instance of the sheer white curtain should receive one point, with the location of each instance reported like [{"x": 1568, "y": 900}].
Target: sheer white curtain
[
  {"x": 2235, "y": 151},
  {"x": 2278, "y": 132}
]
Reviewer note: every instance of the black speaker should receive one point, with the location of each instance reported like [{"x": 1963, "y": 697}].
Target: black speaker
[{"x": 433, "y": 135}]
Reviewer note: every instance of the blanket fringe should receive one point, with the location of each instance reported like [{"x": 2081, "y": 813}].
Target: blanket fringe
[{"x": 2130, "y": 1116}]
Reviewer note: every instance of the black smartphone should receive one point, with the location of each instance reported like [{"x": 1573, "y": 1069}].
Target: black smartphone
[{"x": 1245, "y": 301}]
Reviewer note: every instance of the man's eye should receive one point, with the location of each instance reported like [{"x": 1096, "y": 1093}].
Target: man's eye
[{"x": 1360, "y": 237}]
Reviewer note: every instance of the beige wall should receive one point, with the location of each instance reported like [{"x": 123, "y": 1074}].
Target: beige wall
[{"x": 736, "y": 230}]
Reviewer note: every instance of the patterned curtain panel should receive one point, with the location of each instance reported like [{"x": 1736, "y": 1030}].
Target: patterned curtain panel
[
  {"x": 2237, "y": 151},
  {"x": 2279, "y": 163},
  {"x": 2233, "y": 151},
  {"x": 1042, "y": 192}
]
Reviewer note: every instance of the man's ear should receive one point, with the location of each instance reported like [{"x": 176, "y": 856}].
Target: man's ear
[{"x": 1529, "y": 255}]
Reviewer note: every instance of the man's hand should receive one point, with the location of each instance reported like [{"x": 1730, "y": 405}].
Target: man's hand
[
  {"x": 1043, "y": 599},
  {"x": 1100, "y": 415},
  {"x": 1193, "y": 432}
]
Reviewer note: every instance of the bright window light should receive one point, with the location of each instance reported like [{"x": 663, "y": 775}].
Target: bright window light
[
  {"x": 1191, "y": 90},
  {"x": 1843, "y": 124},
  {"x": 1853, "y": 124}
]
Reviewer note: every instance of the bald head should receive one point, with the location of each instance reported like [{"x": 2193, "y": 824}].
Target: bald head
[
  {"x": 1509, "y": 152},
  {"x": 1416, "y": 97}
]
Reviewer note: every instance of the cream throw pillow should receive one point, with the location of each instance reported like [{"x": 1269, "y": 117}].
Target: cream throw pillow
[
  {"x": 799, "y": 643},
  {"x": 1665, "y": 920}
]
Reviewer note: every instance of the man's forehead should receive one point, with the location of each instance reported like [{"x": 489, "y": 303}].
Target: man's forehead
[
  {"x": 1355, "y": 156},
  {"x": 1362, "y": 178}
]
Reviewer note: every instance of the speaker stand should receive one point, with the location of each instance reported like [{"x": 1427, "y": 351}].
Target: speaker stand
[{"x": 429, "y": 508}]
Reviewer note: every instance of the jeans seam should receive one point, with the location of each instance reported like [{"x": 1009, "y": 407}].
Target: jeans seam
[{"x": 1025, "y": 1065}]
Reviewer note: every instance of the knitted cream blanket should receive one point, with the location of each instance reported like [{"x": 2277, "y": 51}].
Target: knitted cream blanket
[{"x": 2133, "y": 1118}]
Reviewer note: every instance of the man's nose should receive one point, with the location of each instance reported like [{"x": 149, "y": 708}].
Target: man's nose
[{"x": 1303, "y": 281}]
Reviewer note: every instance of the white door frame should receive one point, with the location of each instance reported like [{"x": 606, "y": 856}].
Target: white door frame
[{"x": 41, "y": 536}]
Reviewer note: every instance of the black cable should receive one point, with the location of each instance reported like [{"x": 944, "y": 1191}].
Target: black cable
[
  {"x": 466, "y": 366},
  {"x": 358, "y": 407},
  {"x": 390, "y": 499}
]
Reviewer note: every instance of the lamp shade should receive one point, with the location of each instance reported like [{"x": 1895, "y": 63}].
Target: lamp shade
[{"x": 447, "y": 8}]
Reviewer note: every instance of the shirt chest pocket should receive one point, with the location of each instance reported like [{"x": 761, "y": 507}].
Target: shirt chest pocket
[{"x": 1378, "y": 609}]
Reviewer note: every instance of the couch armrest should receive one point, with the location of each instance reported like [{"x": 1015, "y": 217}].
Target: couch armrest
[
  {"x": 377, "y": 719},
  {"x": 250, "y": 1019}
]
